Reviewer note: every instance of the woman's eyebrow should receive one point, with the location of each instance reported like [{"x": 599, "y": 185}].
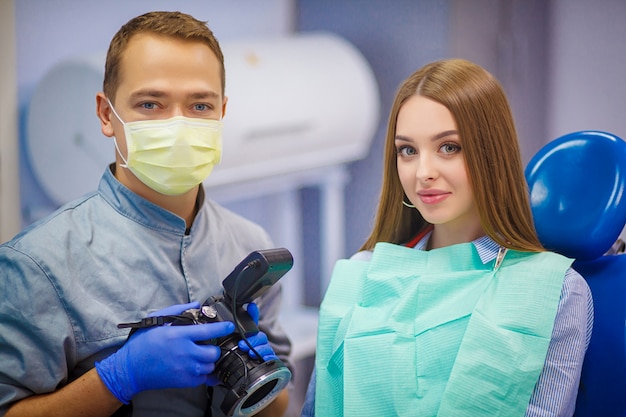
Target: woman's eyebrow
[
  {"x": 444, "y": 134},
  {"x": 402, "y": 138},
  {"x": 436, "y": 137}
]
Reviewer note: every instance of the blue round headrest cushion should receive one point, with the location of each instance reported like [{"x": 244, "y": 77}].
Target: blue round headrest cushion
[{"x": 577, "y": 187}]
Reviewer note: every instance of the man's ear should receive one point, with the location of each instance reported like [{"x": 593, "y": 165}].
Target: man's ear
[
  {"x": 224, "y": 106},
  {"x": 104, "y": 113}
]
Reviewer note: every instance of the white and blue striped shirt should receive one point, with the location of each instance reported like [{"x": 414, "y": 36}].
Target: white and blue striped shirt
[{"x": 557, "y": 388}]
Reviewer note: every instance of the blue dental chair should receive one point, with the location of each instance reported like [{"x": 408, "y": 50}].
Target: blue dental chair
[{"x": 577, "y": 189}]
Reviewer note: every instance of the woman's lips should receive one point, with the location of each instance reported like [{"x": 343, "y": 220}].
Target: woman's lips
[{"x": 432, "y": 196}]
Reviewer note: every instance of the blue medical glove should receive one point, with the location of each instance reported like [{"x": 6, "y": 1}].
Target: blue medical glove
[
  {"x": 259, "y": 341},
  {"x": 175, "y": 309},
  {"x": 164, "y": 357}
]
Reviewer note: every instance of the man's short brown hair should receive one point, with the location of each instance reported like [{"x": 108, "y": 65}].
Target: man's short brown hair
[{"x": 170, "y": 24}]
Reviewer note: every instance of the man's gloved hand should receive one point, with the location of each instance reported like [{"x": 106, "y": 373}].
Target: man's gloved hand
[
  {"x": 259, "y": 341},
  {"x": 163, "y": 357}
]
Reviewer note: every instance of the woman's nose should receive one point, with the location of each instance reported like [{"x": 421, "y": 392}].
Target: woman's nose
[{"x": 426, "y": 169}]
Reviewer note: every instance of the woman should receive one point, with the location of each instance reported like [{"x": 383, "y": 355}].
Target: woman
[{"x": 452, "y": 307}]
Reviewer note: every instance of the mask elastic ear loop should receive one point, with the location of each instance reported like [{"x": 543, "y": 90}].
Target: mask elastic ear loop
[
  {"x": 114, "y": 112},
  {"x": 125, "y": 164}
]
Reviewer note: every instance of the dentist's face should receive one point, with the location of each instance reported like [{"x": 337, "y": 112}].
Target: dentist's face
[
  {"x": 160, "y": 78},
  {"x": 431, "y": 166}
]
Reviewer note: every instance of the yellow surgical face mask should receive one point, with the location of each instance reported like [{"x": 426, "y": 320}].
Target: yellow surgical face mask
[{"x": 174, "y": 155}]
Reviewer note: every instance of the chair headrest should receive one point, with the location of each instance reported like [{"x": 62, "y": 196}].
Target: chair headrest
[{"x": 577, "y": 187}]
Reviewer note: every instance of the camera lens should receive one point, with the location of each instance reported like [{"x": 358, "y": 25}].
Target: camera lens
[
  {"x": 252, "y": 393},
  {"x": 259, "y": 394}
]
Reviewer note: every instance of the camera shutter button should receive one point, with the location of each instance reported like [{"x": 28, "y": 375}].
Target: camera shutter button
[{"x": 209, "y": 311}]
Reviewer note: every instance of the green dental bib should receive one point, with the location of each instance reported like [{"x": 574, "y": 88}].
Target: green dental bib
[{"x": 435, "y": 333}]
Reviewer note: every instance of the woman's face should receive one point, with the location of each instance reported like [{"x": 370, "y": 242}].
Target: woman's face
[{"x": 431, "y": 168}]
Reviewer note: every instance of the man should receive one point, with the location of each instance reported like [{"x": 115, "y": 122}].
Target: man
[{"x": 146, "y": 240}]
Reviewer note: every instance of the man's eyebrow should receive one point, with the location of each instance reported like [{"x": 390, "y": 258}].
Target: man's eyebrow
[
  {"x": 147, "y": 93},
  {"x": 204, "y": 94},
  {"x": 159, "y": 94}
]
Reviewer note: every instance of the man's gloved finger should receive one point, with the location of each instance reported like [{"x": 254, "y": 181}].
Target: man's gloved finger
[
  {"x": 212, "y": 380},
  {"x": 243, "y": 346},
  {"x": 175, "y": 309},
  {"x": 205, "y": 332},
  {"x": 196, "y": 374},
  {"x": 204, "y": 369},
  {"x": 253, "y": 311},
  {"x": 263, "y": 350},
  {"x": 258, "y": 339},
  {"x": 208, "y": 354},
  {"x": 197, "y": 333}
]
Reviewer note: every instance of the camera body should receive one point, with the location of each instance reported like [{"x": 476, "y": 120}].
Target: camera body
[
  {"x": 251, "y": 383},
  {"x": 216, "y": 309}
]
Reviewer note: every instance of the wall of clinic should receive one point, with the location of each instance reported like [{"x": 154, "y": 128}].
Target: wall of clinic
[{"x": 587, "y": 81}]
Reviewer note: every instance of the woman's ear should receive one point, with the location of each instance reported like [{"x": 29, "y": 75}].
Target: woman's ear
[{"x": 104, "y": 113}]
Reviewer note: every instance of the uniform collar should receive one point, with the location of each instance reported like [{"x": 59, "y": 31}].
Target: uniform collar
[{"x": 137, "y": 208}]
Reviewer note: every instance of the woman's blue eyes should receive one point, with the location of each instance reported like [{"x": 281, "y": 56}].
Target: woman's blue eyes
[
  {"x": 450, "y": 148},
  {"x": 405, "y": 151},
  {"x": 446, "y": 148}
]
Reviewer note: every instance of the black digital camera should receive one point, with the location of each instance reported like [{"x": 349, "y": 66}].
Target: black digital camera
[{"x": 251, "y": 384}]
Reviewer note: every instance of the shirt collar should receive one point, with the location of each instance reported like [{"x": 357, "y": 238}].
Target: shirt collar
[
  {"x": 487, "y": 249},
  {"x": 137, "y": 208}
]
